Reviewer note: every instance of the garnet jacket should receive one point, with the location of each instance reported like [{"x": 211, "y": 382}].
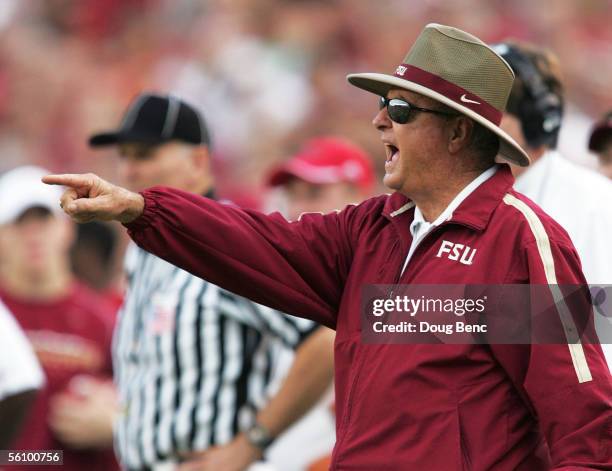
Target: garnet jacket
[{"x": 411, "y": 407}]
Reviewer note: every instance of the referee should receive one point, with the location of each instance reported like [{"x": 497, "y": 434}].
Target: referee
[{"x": 192, "y": 361}]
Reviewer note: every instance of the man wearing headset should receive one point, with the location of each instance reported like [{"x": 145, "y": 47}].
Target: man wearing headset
[{"x": 575, "y": 196}]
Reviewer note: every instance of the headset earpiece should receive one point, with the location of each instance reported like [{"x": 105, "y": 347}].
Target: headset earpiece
[{"x": 541, "y": 113}]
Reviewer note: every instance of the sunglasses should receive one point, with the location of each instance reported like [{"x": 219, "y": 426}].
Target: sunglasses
[{"x": 399, "y": 110}]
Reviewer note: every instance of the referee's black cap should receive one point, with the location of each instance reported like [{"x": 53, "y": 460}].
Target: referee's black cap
[{"x": 156, "y": 119}]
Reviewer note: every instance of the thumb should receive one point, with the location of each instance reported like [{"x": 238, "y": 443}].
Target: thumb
[
  {"x": 81, "y": 205},
  {"x": 103, "y": 207},
  {"x": 84, "y": 209}
]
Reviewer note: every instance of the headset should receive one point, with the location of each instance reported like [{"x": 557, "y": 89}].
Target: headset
[{"x": 541, "y": 111}]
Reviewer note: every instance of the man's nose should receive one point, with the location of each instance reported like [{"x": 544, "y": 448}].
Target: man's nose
[{"x": 381, "y": 121}]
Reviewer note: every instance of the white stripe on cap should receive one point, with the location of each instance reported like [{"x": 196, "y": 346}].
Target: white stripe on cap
[
  {"x": 130, "y": 117},
  {"x": 203, "y": 133},
  {"x": 543, "y": 243},
  {"x": 171, "y": 117}
]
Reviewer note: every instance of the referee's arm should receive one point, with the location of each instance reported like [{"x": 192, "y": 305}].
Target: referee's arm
[{"x": 309, "y": 377}]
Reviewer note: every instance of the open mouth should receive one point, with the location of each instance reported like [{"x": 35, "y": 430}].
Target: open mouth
[{"x": 392, "y": 152}]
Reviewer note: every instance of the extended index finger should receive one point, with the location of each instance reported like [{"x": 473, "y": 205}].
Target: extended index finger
[{"x": 68, "y": 179}]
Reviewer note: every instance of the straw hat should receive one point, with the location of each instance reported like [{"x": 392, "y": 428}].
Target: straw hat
[{"x": 459, "y": 70}]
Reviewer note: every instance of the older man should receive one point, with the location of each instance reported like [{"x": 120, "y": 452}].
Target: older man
[{"x": 419, "y": 406}]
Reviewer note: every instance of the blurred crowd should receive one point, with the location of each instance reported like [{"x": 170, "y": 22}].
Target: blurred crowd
[
  {"x": 266, "y": 73},
  {"x": 268, "y": 76}
]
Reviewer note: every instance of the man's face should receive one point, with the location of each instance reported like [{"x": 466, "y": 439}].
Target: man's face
[
  {"x": 411, "y": 148},
  {"x": 304, "y": 197},
  {"x": 171, "y": 164},
  {"x": 35, "y": 241}
]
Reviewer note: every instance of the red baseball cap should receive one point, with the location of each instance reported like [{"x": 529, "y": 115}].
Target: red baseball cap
[
  {"x": 601, "y": 131},
  {"x": 326, "y": 160}
]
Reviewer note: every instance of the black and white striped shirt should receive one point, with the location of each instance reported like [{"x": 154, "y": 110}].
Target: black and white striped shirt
[{"x": 190, "y": 361}]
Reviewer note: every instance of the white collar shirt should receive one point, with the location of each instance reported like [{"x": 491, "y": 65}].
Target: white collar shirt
[{"x": 419, "y": 227}]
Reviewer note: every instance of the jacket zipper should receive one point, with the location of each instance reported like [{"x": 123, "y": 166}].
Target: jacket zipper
[
  {"x": 419, "y": 247},
  {"x": 349, "y": 401},
  {"x": 401, "y": 270}
]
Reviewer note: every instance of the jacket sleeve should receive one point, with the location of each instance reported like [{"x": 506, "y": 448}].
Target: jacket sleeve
[
  {"x": 297, "y": 267},
  {"x": 567, "y": 385}
]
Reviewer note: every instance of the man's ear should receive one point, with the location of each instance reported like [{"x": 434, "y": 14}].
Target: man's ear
[{"x": 460, "y": 131}]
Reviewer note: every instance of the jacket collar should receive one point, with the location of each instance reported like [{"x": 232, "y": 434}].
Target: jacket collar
[{"x": 474, "y": 212}]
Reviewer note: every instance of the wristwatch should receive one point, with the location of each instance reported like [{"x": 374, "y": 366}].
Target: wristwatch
[{"x": 259, "y": 436}]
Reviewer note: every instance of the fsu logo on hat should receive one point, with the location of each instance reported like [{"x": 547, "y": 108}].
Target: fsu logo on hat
[{"x": 401, "y": 70}]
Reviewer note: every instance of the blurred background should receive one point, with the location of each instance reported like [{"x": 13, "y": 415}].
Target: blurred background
[{"x": 266, "y": 73}]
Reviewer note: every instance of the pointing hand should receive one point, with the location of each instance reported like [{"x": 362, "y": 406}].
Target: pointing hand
[{"x": 89, "y": 197}]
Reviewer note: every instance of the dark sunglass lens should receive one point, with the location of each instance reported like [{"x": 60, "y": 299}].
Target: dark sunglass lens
[
  {"x": 399, "y": 111},
  {"x": 382, "y": 102}
]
